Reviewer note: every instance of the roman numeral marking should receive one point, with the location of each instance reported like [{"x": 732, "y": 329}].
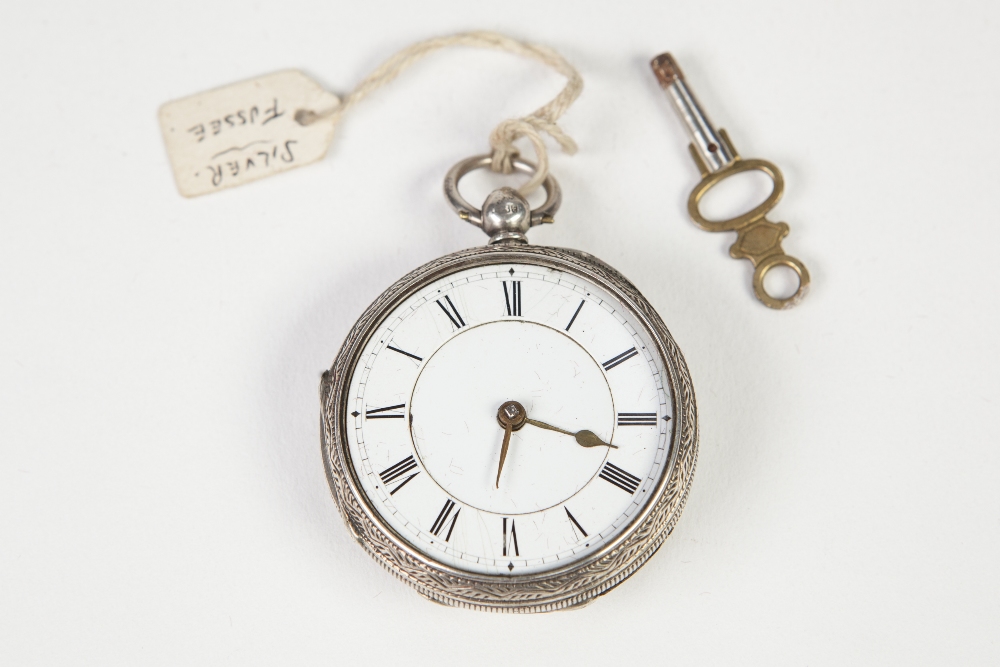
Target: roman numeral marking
[
  {"x": 637, "y": 419},
  {"x": 456, "y": 319},
  {"x": 573, "y": 319},
  {"x": 620, "y": 359},
  {"x": 623, "y": 480},
  {"x": 374, "y": 412},
  {"x": 404, "y": 352},
  {"x": 397, "y": 470},
  {"x": 575, "y": 522},
  {"x": 512, "y": 540},
  {"x": 513, "y": 298},
  {"x": 442, "y": 519}
]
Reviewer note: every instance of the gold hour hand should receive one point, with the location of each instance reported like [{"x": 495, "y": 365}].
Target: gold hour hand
[
  {"x": 503, "y": 451},
  {"x": 583, "y": 438},
  {"x": 511, "y": 417}
]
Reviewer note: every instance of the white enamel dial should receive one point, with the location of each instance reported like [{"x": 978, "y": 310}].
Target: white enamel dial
[{"x": 424, "y": 435}]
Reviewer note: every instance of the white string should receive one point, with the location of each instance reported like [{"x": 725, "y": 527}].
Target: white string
[{"x": 503, "y": 137}]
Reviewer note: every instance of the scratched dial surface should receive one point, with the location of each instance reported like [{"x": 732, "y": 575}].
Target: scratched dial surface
[{"x": 426, "y": 443}]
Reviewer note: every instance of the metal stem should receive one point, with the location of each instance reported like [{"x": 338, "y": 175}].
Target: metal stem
[{"x": 715, "y": 153}]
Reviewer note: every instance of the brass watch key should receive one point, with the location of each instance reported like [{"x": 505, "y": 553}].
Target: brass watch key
[{"x": 757, "y": 238}]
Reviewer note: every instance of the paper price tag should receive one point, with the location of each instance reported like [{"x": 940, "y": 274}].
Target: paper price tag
[{"x": 246, "y": 131}]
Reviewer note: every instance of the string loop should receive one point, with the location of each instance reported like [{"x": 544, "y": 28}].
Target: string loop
[{"x": 507, "y": 133}]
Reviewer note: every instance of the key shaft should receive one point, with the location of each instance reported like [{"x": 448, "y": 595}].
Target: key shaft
[{"x": 714, "y": 152}]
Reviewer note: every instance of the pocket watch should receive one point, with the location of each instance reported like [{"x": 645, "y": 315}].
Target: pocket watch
[{"x": 510, "y": 427}]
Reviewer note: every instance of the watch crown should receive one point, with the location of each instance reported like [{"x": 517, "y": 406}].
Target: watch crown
[{"x": 506, "y": 216}]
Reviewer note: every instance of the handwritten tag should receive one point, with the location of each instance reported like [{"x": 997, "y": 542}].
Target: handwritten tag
[{"x": 246, "y": 131}]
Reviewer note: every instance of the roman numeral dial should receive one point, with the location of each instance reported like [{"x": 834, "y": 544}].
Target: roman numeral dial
[
  {"x": 575, "y": 522},
  {"x": 388, "y": 412},
  {"x": 625, "y": 481},
  {"x": 512, "y": 297},
  {"x": 393, "y": 473},
  {"x": 575, "y": 313},
  {"x": 619, "y": 359},
  {"x": 637, "y": 419},
  {"x": 585, "y": 452},
  {"x": 452, "y": 312},
  {"x": 510, "y": 539},
  {"x": 404, "y": 353},
  {"x": 442, "y": 520}
]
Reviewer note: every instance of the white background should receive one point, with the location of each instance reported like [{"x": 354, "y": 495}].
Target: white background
[{"x": 162, "y": 496}]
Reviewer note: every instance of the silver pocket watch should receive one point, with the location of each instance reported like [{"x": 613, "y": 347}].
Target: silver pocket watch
[{"x": 510, "y": 427}]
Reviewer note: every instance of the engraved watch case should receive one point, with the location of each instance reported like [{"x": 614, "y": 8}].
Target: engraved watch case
[{"x": 575, "y": 583}]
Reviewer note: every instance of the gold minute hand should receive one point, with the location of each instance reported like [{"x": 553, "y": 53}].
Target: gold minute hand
[{"x": 583, "y": 438}]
